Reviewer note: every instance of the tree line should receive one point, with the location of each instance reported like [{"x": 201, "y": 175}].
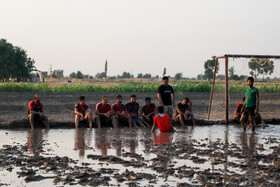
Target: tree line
[{"x": 257, "y": 66}]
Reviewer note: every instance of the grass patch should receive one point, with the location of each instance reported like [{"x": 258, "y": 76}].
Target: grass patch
[{"x": 131, "y": 86}]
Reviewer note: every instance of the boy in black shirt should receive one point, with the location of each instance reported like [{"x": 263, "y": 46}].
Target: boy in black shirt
[
  {"x": 182, "y": 107},
  {"x": 132, "y": 109},
  {"x": 166, "y": 96}
]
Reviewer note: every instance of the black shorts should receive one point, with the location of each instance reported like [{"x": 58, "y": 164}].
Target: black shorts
[{"x": 249, "y": 111}]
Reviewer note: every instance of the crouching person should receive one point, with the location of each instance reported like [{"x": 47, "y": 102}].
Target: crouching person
[
  {"x": 163, "y": 121},
  {"x": 80, "y": 112},
  {"x": 182, "y": 107},
  {"x": 103, "y": 112},
  {"x": 36, "y": 112}
]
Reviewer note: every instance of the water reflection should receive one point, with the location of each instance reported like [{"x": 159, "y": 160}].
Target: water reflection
[
  {"x": 162, "y": 138},
  {"x": 102, "y": 141},
  {"x": 82, "y": 140},
  {"x": 35, "y": 141}
]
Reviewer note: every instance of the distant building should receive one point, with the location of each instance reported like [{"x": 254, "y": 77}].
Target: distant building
[
  {"x": 43, "y": 75},
  {"x": 58, "y": 73}
]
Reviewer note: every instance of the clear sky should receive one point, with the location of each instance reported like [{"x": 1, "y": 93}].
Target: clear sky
[{"x": 142, "y": 36}]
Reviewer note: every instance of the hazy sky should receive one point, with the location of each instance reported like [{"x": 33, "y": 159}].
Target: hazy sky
[{"x": 139, "y": 35}]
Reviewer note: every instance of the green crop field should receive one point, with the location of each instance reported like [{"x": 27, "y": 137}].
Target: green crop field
[{"x": 131, "y": 86}]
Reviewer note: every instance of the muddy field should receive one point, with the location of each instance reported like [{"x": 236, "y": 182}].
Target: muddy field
[
  {"x": 59, "y": 106},
  {"x": 216, "y": 155}
]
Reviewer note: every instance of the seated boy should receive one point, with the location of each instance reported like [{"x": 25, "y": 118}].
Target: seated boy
[
  {"x": 132, "y": 109},
  {"x": 118, "y": 112},
  {"x": 238, "y": 110},
  {"x": 103, "y": 112},
  {"x": 182, "y": 107},
  {"x": 163, "y": 121},
  {"x": 147, "y": 112},
  {"x": 80, "y": 112},
  {"x": 36, "y": 113}
]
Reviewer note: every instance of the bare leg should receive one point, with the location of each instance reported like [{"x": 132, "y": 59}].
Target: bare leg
[
  {"x": 253, "y": 123},
  {"x": 242, "y": 122},
  {"x": 46, "y": 122},
  {"x": 145, "y": 122},
  {"x": 77, "y": 120},
  {"x": 115, "y": 121},
  {"x": 141, "y": 123},
  {"x": 192, "y": 118},
  {"x": 181, "y": 118},
  {"x": 31, "y": 120},
  {"x": 98, "y": 122},
  {"x": 130, "y": 122},
  {"x": 89, "y": 117}
]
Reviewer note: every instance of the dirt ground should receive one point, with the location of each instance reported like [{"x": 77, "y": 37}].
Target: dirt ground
[{"x": 60, "y": 106}]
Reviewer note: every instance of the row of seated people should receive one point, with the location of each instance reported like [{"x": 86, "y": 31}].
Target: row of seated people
[
  {"x": 127, "y": 113},
  {"x": 115, "y": 114}
]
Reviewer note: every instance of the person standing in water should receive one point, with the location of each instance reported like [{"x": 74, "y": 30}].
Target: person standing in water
[{"x": 251, "y": 104}]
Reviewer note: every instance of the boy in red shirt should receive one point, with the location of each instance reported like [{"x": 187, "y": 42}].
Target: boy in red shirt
[
  {"x": 36, "y": 113},
  {"x": 238, "y": 110},
  {"x": 119, "y": 112},
  {"x": 103, "y": 112},
  {"x": 163, "y": 121},
  {"x": 80, "y": 112}
]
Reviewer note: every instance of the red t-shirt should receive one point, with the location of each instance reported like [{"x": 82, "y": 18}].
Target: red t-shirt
[
  {"x": 117, "y": 108},
  {"x": 164, "y": 123},
  {"x": 104, "y": 109},
  {"x": 97, "y": 105},
  {"x": 80, "y": 108},
  {"x": 32, "y": 106},
  {"x": 239, "y": 107}
]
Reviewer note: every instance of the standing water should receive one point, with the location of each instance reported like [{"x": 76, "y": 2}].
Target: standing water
[{"x": 198, "y": 155}]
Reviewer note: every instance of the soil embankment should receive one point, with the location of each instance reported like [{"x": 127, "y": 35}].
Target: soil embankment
[{"x": 59, "y": 106}]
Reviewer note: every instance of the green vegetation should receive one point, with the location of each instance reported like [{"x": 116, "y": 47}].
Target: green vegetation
[
  {"x": 132, "y": 86},
  {"x": 14, "y": 62}
]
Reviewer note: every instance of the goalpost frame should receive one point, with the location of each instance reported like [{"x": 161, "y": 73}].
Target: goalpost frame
[{"x": 226, "y": 56}]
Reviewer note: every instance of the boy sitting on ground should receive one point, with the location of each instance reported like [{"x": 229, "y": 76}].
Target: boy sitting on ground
[
  {"x": 118, "y": 112},
  {"x": 103, "y": 112},
  {"x": 132, "y": 109},
  {"x": 238, "y": 110},
  {"x": 148, "y": 112},
  {"x": 80, "y": 112},
  {"x": 182, "y": 107},
  {"x": 163, "y": 121},
  {"x": 36, "y": 113}
]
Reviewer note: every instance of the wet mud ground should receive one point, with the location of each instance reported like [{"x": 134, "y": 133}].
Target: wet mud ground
[
  {"x": 59, "y": 107},
  {"x": 208, "y": 155}
]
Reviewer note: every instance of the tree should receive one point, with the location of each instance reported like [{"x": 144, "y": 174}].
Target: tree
[
  {"x": 147, "y": 76},
  {"x": 100, "y": 75},
  {"x": 79, "y": 75},
  {"x": 164, "y": 72},
  {"x": 178, "y": 76},
  {"x": 106, "y": 68},
  {"x": 260, "y": 66},
  {"x": 72, "y": 75},
  {"x": 140, "y": 76},
  {"x": 14, "y": 62},
  {"x": 231, "y": 71},
  {"x": 209, "y": 66}
]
